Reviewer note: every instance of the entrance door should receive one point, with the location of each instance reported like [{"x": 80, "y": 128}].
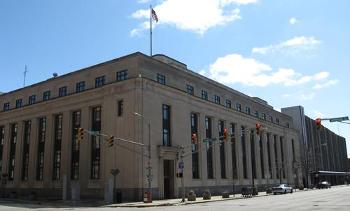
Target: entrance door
[{"x": 168, "y": 179}]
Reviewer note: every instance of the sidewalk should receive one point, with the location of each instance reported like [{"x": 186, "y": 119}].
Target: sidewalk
[{"x": 177, "y": 202}]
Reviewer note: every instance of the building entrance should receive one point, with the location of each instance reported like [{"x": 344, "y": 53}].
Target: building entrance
[{"x": 169, "y": 179}]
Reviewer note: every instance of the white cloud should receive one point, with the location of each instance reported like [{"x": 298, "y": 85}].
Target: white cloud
[
  {"x": 292, "y": 45},
  {"x": 293, "y": 20},
  {"x": 193, "y": 15},
  {"x": 318, "y": 114},
  {"x": 325, "y": 84},
  {"x": 235, "y": 68},
  {"x": 309, "y": 96}
]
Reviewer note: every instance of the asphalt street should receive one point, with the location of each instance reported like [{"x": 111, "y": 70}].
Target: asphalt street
[{"x": 336, "y": 198}]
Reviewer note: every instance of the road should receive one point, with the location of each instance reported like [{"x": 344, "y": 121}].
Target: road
[{"x": 336, "y": 198}]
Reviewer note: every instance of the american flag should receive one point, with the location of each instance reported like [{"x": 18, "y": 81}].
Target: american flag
[{"x": 154, "y": 15}]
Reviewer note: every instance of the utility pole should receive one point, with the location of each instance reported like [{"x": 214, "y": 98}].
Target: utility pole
[{"x": 181, "y": 151}]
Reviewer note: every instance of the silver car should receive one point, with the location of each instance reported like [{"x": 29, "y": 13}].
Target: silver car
[{"x": 282, "y": 188}]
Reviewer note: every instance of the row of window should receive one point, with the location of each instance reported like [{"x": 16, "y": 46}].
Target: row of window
[
  {"x": 57, "y": 144},
  {"x": 62, "y": 91}
]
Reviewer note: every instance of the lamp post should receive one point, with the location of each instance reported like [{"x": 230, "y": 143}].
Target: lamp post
[{"x": 149, "y": 166}]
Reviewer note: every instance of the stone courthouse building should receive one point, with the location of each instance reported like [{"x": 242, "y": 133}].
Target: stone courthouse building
[{"x": 140, "y": 100}]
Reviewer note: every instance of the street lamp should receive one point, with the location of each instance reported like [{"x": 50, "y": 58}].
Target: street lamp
[{"x": 149, "y": 166}]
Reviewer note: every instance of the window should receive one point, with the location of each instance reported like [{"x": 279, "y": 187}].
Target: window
[
  {"x": 221, "y": 128},
  {"x": 95, "y": 143},
  {"x": 209, "y": 143},
  {"x": 166, "y": 125},
  {"x": 252, "y": 153},
  {"x": 80, "y": 86},
  {"x": 228, "y": 103},
  {"x": 120, "y": 107},
  {"x": 204, "y": 95},
  {"x": 261, "y": 156},
  {"x": 62, "y": 91},
  {"x": 6, "y": 106},
  {"x": 277, "y": 121},
  {"x": 26, "y": 144},
  {"x": 100, "y": 81},
  {"x": 247, "y": 110},
  {"x": 287, "y": 125},
  {"x": 32, "y": 99},
  {"x": 276, "y": 158},
  {"x": 194, "y": 144},
  {"x": 122, "y": 75},
  {"x": 257, "y": 114},
  {"x": 160, "y": 78},
  {"x": 13, "y": 142},
  {"x": 244, "y": 153},
  {"x": 19, "y": 103},
  {"x": 76, "y": 122},
  {"x": 233, "y": 150},
  {"x": 46, "y": 95},
  {"x": 268, "y": 137},
  {"x": 238, "y": 107},
  {"x": 282, "y": 158},
  {"x": 190, "y": 89},
  {"x": 216, "y": 99},
  {"x": 41, "y": 149},
  {"x": 263, "y": 116},
  {"x": 56, "y": 174},
  {"x": 2, "y": 137},
  {"x": 271, "y": 119}
]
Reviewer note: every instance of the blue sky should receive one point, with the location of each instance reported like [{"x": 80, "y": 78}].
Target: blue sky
[{"x": 288, "y": 52}]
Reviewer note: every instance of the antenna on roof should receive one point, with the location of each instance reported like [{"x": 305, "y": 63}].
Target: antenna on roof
[{"x": 25, "y": 74}]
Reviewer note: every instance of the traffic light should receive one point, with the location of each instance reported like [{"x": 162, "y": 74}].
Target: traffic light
[
  {"x": 194, "y": 138},
  {"x": 225, "y": 134},
  {"x": 318, "y": 123},
  {"x": 110, "y": 141},
  {"x": 80, "y": 135},
  {"x": 258, "y": 127}
]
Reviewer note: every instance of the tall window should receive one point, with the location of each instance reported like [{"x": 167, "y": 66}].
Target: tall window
[
  {"x": 120, "y": 107},
  {"x": 217, "y": 99},
  {"x": 276, "y": 157},
  {"x": 238, "y": 107},
  {"x": 282, "y": 158},
  {"x": 13, "y": 141},
  {"x": 56, "y": 174},
  {"x": 31, "y": 99},
  {"x": 195, "y": 154},
  {"x": 41, "y": 148},
  {"x": 76, "y": 122},
  {"x": 95, "y": 143},
  {"x": 269, "y": 154},
  {"x": 46, "y": 95},
  {"x": 208, "y": 134},
  {"x": 2, "y": 137},
  {"x": 244, "y": 152},
  {"x": 80, "y": 86},
  {"x": 6, "y": 107},
  {"x": 228, "y": 103},
  {"x": 261, "y": 156},
  {"x": 257, "y": 114},
  {"x": 263, "y": 116},
  {"x": 204, "y": 95},
  {"x": 277, "y": 121},
  {"x": 293, "y": 151},
  {"x": 190, "y": 89},
  {"x": 62, "y": 91},
  {"x": 160, "y": 78},
  {"x": 100, "y": 81},
  {"x": 233, "y": 150},
  {"x": 26, "y": 144},
  {"x": 19, "y": 103},
  {"x": 221, "y": 128},
  {"x": 247, "y": 110},
  {"x": 166, "y": 125},
  {"x": 252, "y": 153},
  {"x": 122, "y": 75}
]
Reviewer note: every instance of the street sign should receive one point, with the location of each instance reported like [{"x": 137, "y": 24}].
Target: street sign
[
  {"x": 181, "y": 165},
  {"x": 339, "y": 119}
]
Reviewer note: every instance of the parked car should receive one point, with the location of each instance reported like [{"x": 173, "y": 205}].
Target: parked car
[
  {"x": 282, "y": 188},
  {"x": 324, "y": 184}
]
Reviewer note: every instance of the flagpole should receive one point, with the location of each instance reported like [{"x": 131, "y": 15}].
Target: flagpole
[{"x": 150, "y": 28}]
